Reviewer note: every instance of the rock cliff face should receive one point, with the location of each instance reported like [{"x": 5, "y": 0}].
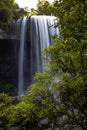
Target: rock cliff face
[
  {"x": 9, "y": 62},
  {"x": 9, "y": 59}
]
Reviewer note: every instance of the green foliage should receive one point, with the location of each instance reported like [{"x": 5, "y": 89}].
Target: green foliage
[
  {"x": 67, "y": 62},
  {"x": 6, "y": 8},
  {"x": 33, "y": 12},
  {"x": 10, "y": 10},
  {"x": 72, "y": 16},
  {"x": 69, "y": 59},
  {"x": 44, "y": 8},
  {"x": 6, "y": 88},
  {"x": 6, "y": 111},
  {"x": 37, "y": 104},
  {"x": 20, "y": 12},
  {"x": 3, "y": 25}
]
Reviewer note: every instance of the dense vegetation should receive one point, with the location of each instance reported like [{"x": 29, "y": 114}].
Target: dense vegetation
[
  {"x": 60, "y": 93},
  {"x": 44, "y": 8},
  {"x": 10, "y": 10}
]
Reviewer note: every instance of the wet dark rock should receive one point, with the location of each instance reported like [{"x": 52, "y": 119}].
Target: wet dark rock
[
  {"x": 1, "y": 128},
  {"x": 9, "y": 62},
  {"x": 62, "y": 120},
  {"x": 15, "y": 100},
  {"x": 43, "y": 123},
  {"x": 15, "y": 128},
  {"x": 39, "y": 99}
]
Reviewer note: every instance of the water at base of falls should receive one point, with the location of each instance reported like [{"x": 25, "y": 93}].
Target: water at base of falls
[{"x": 39, "y": 31}]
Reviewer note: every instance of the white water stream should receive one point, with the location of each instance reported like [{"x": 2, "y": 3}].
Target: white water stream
[
  {"x": 21, "y": 58},
  {"x": 40, "y": 28}
]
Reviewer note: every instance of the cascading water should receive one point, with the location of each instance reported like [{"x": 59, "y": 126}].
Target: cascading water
[
  {"x": 40, "y": 37},
  {"x": 38, "y": 34},
  {"x": 21, "y": 58}
]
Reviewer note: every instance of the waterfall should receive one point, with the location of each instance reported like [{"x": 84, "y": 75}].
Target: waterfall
[
  {"x": 40, "y": 37},
  {"x": 39, "y": 30},
  {"x": 21, "y": 58}
]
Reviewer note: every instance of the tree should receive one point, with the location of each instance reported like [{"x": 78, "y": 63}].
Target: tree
[
  {"x": 6, "y": 15},
  {"x": 10, "y": 10},
  {"x": 33, "y": 12},
  {"x": 44, "y": 7},
  {"x": 69, "y": 59},
  {"x": 20, "y": 12},
  {"x": 37, "y": 104},
  {"x": 6, "y": 111}
]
